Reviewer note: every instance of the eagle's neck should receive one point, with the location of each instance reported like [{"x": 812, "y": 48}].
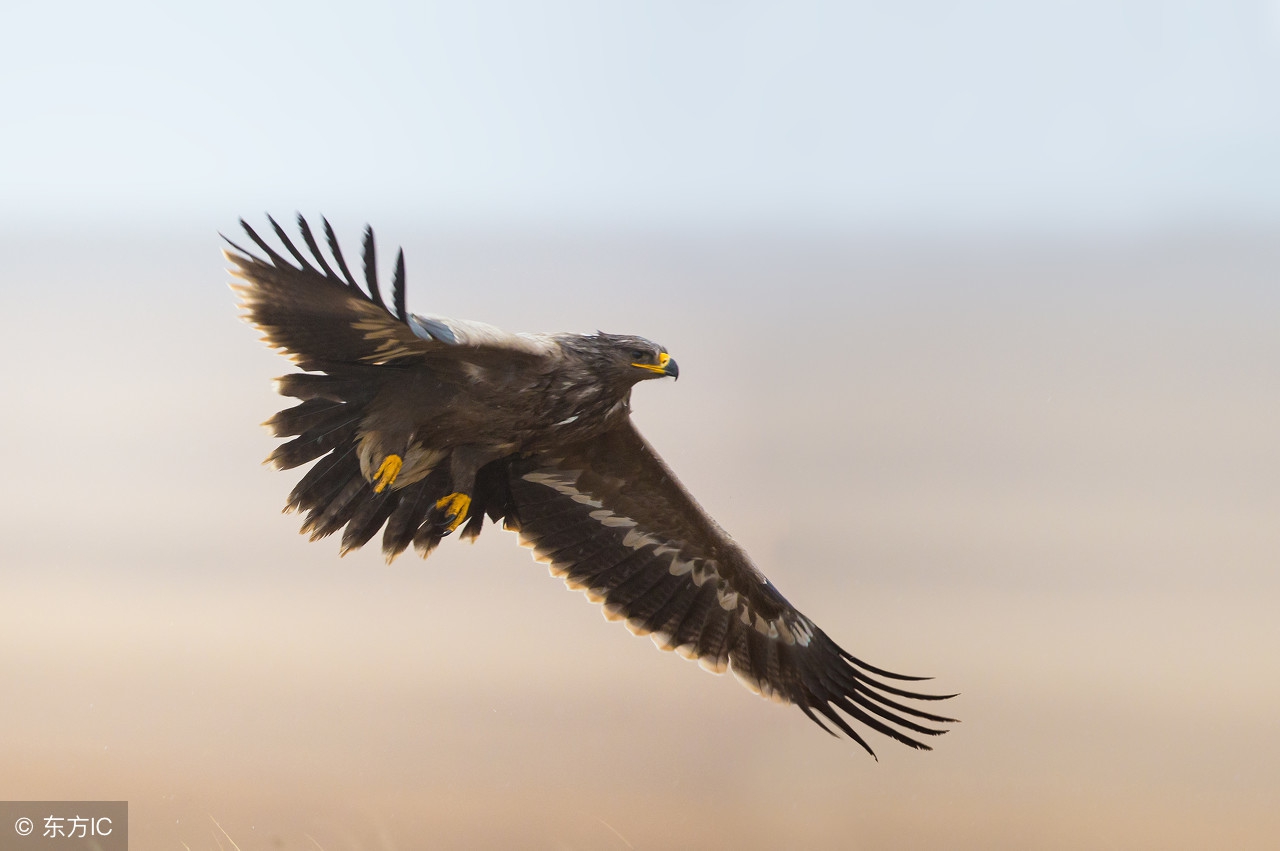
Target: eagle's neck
[{"x": 585, "y": 397}]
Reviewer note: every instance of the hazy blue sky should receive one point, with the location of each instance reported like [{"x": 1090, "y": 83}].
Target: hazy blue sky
[{"x": 922, "y": 115}]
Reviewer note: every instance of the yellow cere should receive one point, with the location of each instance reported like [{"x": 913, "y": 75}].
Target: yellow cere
[{"x": 661, "y": 366}]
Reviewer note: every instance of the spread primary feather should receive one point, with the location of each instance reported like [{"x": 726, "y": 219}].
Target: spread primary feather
[{"x": 419, "y": 425}]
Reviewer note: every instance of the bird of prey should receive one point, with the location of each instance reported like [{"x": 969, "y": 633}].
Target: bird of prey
[{"x": 421, "y": 426}]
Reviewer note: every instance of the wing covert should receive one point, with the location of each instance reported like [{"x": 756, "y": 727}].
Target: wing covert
[{"x": 611, "y": 519}]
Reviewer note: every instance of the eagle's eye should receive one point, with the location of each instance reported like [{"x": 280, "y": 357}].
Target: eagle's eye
[{"x": 639, "y": 355}]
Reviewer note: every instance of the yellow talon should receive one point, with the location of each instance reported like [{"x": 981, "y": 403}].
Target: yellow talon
[
  {"x": 387, "y": 472},
  {"x": 455, "y": 505}
]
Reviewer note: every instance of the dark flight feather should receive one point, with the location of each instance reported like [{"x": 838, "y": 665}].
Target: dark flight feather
[
  {"x": 397, "y": 288},
  {"x": 310, "y": 239},
  {"x": 370, "y": 254},
  {"x": 336, "y": 250},
  {"x": 596, "y": 504}
]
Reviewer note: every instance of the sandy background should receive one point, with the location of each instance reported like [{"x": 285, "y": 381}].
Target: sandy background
[{"x": 1046, "y": 476}]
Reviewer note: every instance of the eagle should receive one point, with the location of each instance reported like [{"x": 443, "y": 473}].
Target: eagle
[{"x": 422, "y": 426}]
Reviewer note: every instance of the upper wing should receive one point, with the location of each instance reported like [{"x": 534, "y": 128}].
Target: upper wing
[
  {"x": 611, "y": 519},
  {"x": 321, "y": 316}
]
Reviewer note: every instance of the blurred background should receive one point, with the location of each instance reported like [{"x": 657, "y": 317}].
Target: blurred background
[{"x": 978, "y": 318}]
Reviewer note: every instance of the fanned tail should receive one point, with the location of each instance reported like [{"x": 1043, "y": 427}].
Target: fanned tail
[{"x": 334, "y": 493}]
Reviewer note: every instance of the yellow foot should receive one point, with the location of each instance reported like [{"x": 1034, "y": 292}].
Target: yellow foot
[
  {"x": 387, "y": 472},
  {"x": 455, "y": 505}
]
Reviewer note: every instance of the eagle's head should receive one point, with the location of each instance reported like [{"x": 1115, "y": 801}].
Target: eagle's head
[{"x": 626, "y": 360}]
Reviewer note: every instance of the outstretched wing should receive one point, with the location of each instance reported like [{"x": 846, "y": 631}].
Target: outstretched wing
[
  {"x": 321, "y": 316},
  {"x": 611, "y": 519}
]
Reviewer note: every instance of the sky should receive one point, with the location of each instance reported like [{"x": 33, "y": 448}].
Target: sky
[
  {"x": 932, "y": 117},
  {"x": 1043, "y": 470}
]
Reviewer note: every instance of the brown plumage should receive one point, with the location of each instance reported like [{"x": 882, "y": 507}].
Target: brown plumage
[{"x": 421, "y": 425}]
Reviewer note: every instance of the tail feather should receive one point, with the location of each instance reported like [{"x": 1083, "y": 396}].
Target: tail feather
[
  {"x": 353, "y": 384},
  {"x": 405, "y": 519},
  {"x": 334, "y": 514},
  {"x": 321, "y": 426},
  {"x": 307, "y": 416},
  {"x": 368, "y": 518},
  {"x": 426, "y": 539},
  {"x": 324, "y": 480},
  {"x": 334, "y": 493}
]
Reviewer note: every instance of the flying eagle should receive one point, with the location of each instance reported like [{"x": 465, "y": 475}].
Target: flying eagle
[{"x": 422, "y": 426}]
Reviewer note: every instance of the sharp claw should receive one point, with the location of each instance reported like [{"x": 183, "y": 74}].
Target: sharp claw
[
  {"x": 387, "y": 472},
  {"x": 456, "y": 506}
]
